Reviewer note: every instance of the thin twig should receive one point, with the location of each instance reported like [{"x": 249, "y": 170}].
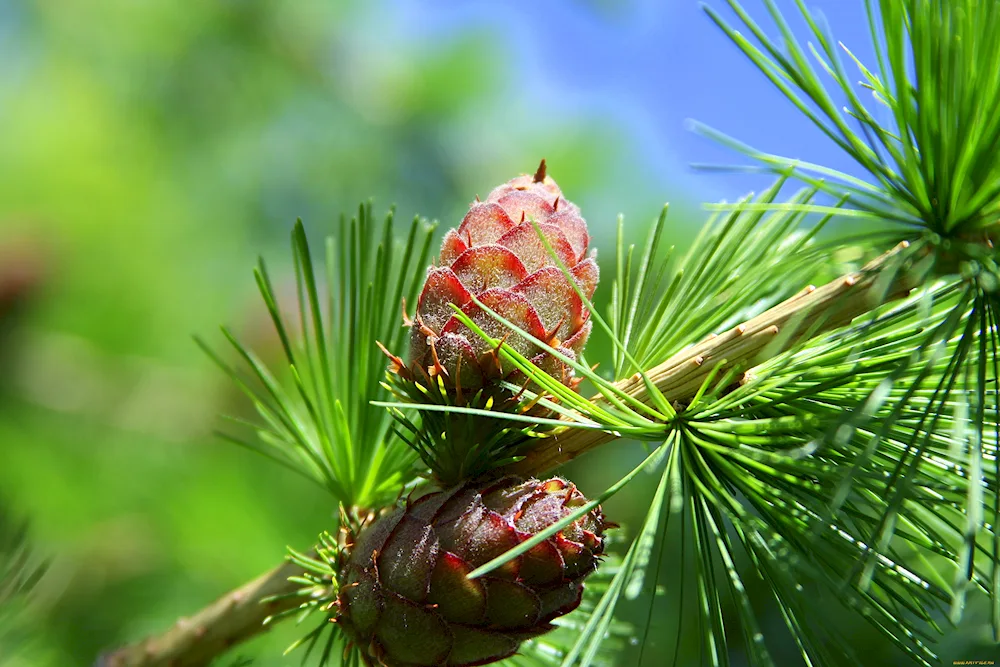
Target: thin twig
[{"x": 233, "y": 618}]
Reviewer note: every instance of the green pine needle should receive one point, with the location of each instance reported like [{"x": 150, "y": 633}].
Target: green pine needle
[
  {"x": 320, "y": 420},
  {"x": 20, "y": 572},
  {"x": 932, "y": 161},
  {"x": 739, "y": 265}
]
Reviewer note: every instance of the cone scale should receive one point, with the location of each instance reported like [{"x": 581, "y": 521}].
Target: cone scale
[{"x": 405, "y": 598}]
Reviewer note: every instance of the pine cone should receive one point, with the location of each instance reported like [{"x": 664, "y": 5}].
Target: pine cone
[
  {"x": 497, "y": 256},
  {"x": 404, "y": 595}
]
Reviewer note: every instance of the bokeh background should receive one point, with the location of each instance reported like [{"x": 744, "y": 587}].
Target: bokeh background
[{"x": 149, "y": 151}]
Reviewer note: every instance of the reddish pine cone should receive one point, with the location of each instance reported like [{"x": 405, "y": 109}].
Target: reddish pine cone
[
  {"x": 497, "y": 255},
  {"x": 404, "y": 596}
]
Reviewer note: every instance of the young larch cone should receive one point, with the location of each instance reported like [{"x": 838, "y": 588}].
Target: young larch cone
[
  {"x": 405, "y": 598},
  {"x": 497, "y": 256}
]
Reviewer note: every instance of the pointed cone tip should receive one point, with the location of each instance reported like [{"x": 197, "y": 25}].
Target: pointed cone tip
[{"x": 540, "y": 173}]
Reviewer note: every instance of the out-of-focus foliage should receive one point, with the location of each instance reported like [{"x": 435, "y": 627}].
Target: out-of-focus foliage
[{"x": 19, "y": 572}]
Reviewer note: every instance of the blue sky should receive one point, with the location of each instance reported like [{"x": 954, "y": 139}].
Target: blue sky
[{"x": 651, "y": 66}]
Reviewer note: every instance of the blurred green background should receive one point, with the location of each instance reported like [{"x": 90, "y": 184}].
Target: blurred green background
[{"x": 150, "y": 150}]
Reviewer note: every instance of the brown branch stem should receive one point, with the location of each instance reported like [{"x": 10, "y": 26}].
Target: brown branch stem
[
  {"x": 197, "y": 640},
  {"x": 239, "y": 614}
]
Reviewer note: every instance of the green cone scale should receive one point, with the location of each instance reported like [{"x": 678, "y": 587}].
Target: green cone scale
[{"x": 405, "y": 598}]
